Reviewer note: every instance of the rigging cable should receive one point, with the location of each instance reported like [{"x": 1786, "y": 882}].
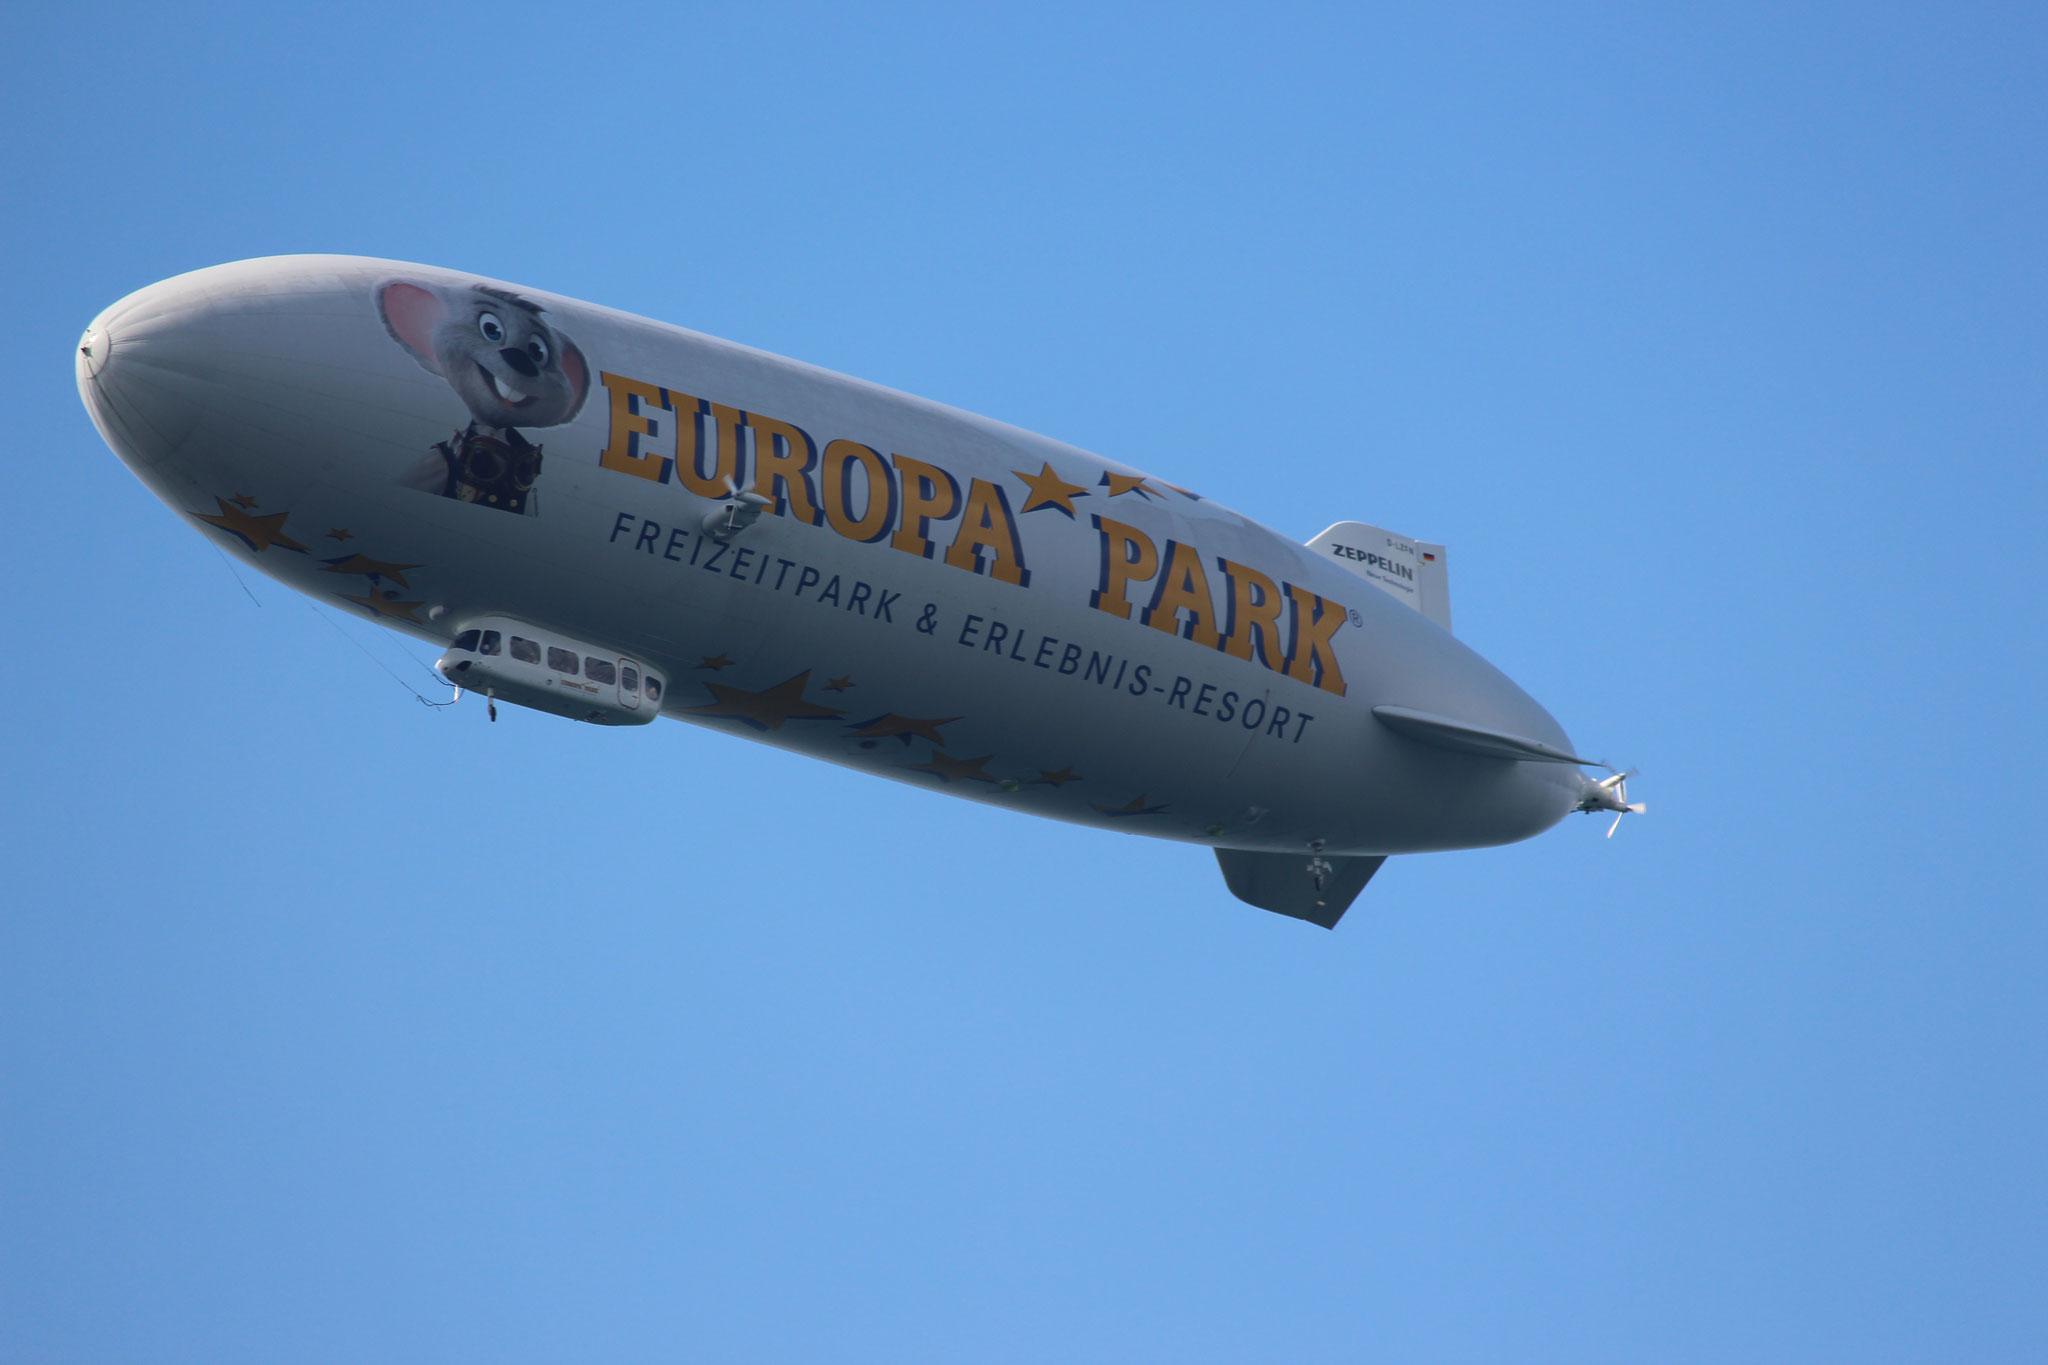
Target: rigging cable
[
  {"x": 418, "y": 696},
  {"x": 314, "y": 607}
]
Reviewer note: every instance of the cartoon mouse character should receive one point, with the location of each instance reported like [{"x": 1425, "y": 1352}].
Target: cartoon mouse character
[{"x": 510, "y": 369}]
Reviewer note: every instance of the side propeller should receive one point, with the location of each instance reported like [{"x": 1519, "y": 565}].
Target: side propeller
[{"x": 1610, "y": 793}]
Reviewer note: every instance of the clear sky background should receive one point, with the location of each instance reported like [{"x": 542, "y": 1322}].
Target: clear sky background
[{"x": 1710, "y": 339}]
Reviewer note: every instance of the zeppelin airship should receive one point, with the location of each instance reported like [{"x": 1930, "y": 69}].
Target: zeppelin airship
[{"x": 611, "y": 519}]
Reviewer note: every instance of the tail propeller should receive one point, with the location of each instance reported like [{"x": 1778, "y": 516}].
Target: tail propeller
[{"x": 1611, "y": 793}]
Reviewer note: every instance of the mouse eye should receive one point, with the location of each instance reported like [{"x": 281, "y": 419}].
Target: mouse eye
[
  {"x": 492, "y": 329},
  {"x": 537, "y": 351}
]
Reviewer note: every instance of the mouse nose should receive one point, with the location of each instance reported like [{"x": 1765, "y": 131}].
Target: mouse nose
[{"x": 520, "y": 361}]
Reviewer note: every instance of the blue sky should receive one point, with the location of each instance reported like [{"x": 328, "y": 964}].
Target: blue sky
[{"x": 1709, "y": 340}]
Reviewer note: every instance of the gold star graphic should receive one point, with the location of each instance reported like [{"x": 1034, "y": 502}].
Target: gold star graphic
[
  {"x": 243, "y": 501},
  {"x": 371, "y": 568},
  {"x": 382, "y": 607},
  {"x": 904, "y": 727},
  {"x": 769, "y": 710},
  {"x": 1049, "y": 490},
  {"x": 840, "y": 684},
  {"x": 1055, "y": 779},
  {"x": 948, "y": 769},
  {"x": 258, "y": 533},
  {"x": 716, "y": 662},
  {"x": 1119, "y": 484},
  {"x": 340, "y": 533},
  {"x": 1137, "y": 807}
]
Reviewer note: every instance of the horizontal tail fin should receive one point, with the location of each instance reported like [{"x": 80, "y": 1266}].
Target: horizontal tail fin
[{"x": 1446, "y": 733}]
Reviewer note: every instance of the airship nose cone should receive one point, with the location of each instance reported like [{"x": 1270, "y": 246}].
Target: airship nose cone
[
  {"x": 93, "y": 350},
  {"x": 130, "y": 378},
  {"x": 244, "y": 371}
]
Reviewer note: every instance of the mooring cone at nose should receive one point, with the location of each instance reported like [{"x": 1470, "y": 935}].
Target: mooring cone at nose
[{"x": 94, "y": 348}]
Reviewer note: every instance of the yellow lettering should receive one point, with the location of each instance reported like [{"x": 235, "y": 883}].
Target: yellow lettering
[
  {"x": 1253, "y": 626},
  {"x": 876, "y": 517},
  {"x": 783, "y": 459},
  {"x": 722, "y": 433},
  {"x": 987, "y": 524},
  {"x": 628, "y": 425},
  {"x": 929, "y": 494},
  {"x": 1128, "y": 556},
  {"x": 1183, "y": 586},
  {"x": 1315, "y": 621}
]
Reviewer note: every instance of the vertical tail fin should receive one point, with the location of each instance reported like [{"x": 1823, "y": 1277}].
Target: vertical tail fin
[{"x": 1407, "y": 570}]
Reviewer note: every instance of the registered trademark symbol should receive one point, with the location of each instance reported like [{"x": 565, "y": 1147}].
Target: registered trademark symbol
[{"x": 1356, "y": 619}]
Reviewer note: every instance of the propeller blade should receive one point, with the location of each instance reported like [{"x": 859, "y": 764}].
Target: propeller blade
[{"x": 1616, "y": 825}]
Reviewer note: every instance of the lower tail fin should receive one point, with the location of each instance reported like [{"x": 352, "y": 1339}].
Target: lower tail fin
[{"x": 1313, "y": 887}]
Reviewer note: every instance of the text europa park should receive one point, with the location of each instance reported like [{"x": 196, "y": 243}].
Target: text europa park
[{"x": 1280, "y": 625}]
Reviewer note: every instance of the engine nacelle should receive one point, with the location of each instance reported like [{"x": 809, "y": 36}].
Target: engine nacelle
[{"x": 509, "y": 660}]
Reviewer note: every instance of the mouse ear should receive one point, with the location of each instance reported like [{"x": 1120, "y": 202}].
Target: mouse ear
[
  {"x": 411, "y": 312},
  {"x": 578, "y": 370}
]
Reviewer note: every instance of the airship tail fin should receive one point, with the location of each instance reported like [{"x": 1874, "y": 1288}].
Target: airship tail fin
[
  {"x": 1445, "y": 733},
  {"x": 1410, "y": 571},
  {"x": 1318, "y": 889}
]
